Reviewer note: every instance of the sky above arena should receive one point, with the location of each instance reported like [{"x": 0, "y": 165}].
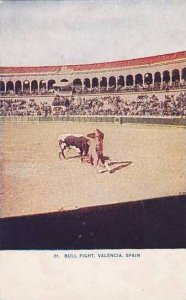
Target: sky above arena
[{"x": 75, "y": 32}]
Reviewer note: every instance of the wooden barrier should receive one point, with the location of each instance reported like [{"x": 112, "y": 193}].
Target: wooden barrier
[{"x": 178, "y": 121}]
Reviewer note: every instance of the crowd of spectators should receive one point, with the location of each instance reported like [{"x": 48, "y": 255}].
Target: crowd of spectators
[
  {"x": 27, "y": 92},
  {"x": 22, "y": 107},
  {"x": 143, "y": 105}
]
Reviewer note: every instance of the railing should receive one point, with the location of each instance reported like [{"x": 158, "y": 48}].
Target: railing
[
  {"x": 123, "y": 90},
  {"x": 178, "y": 121},
  {"x": 131, "y": 89}
]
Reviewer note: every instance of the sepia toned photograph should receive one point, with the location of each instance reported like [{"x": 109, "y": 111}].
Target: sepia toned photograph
[{"x": 92, "y": 125}]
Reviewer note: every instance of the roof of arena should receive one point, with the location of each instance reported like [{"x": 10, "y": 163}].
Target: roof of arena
[{"x": 96, "y": 66}]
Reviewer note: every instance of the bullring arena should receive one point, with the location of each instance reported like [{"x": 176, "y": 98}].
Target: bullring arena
[
  {"x": 139, "y": 105},
  {"x": 146, "y": 162}
]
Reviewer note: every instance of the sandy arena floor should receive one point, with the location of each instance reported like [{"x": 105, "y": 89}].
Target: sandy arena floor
[{"x": 147, "y": 162}]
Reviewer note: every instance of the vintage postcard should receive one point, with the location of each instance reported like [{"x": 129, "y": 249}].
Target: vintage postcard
[{"x": 92, "y": 149}]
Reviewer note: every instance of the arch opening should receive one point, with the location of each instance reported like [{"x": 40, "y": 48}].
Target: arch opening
[
  {"x": 51, "y": 82},
  {"x": 138, "y": 80},
  {"x": 9, "y": 87},
  {"x": 2, "y": 87},
  {"x": 157, "y": 78},
  {"x": 121, "y": 82},
  {"x": 34, "y": 86},
  {"x": 77, "y": 85},
  {"x": 26, "y": 86},
  {"x": 42, "y": 86},
  {"x": 95, "y": 83},
  {"x": 129, "y": 80},
  {"x": 112, "y": 82},
  {"x": 176, "y": 78},
  {"x": 103, "y": 84},
  {"x": 77, "y": 82},
  {"x": 86, "y": 83},
  {"x": 64, "y": 80},
  {"x": 166, "y": 76},
  {"x": 175, "y": 75},
  {"x": 148, "y": 79},
  {"x": 183, "y": 74},
  {"x": 18, "y": 87}
]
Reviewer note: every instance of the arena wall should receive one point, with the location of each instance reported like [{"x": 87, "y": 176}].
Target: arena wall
[{"x": 177, "y": 121}]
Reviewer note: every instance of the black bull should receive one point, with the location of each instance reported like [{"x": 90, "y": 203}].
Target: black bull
[{"x": 79, "y": 143}]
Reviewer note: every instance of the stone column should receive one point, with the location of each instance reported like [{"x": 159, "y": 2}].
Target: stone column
[
  {"x": 170, "y": 77},
  {"x": 179, "y": 75},
  {"x": 37, "y": 86},
  {"x": 30, "y": 86},
  {"x": 83, "y": 85},
  {"x": 91, "y": 83},
  {"x": 21, "y": 85},
  {"x": 161, "y": 81},
  {"x": 124, "y": 81},
  {"x": 116, "y": 83},
  {"x": 99, "y": 84},
  {"x": 143, "y": 77}
]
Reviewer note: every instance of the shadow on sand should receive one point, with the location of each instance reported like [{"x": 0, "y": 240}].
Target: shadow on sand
[
  {"x": 153, "y": 223},
  {"x": 119, "y": 165}
]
